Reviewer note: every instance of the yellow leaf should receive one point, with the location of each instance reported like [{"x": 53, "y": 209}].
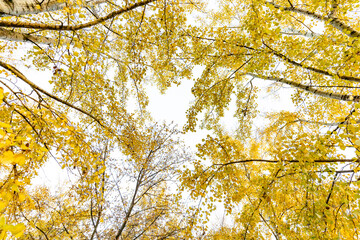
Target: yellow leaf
[
  {"x": 22, "y": 197},
  {"x": 17, "y": 230},
  {"x": 2, "y": 221},
  {"x": 19, "y": 159},
  {"x": 2, "y": 205},
  {"x": 7, "y": 157},
  {"x": 3, "y": 235},
  {"x": 15, "y": 188},
  {"x": 32, "y": 224},
  {"x": 6, "y": 196},
  {"x": 5, "y": 125}
]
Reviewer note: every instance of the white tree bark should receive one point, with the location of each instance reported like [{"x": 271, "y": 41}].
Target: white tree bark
[
  {"x": 341, "y": 97},
  {"x": 25, "y": 7},
  {"x": 295, "y": 32},
  {"x": 9, "y": 35}
]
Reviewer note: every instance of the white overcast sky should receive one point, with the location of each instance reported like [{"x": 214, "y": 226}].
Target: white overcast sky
[{"x": 170, "y": 108}]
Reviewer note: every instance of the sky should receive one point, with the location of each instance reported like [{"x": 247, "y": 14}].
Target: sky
[{"x": 170, "y": 108}]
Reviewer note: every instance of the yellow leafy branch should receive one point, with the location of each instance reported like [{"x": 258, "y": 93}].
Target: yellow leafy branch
[
  {"x": 18, "y": 74},
  {"x": 286, "y": 161},
  {"x": 287, "y": 59},
  {"x": 336, "y": 23}
]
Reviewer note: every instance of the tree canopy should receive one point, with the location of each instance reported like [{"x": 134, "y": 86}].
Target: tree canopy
[{"x": 296, "y": 177}]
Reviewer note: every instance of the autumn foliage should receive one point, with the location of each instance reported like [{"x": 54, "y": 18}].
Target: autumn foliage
[{"x": 74, "y": 91}]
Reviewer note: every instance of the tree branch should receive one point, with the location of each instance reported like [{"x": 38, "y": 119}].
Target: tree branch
[
  {"x": 295, "y": 32},
  {"x": 8, "y": 35},
  {"x": 18, "y": 74},
  {"x": 342, "y": 97},
  {"x": 25, "y": 7},
  {"x": 60, "y": 27},
  {"x": 334, "y": 6},
  {"x": 287, "y": 161},
  {"x": 131, "y": 206},
  {"x": 285, "y": 58},
  {"x": 336, "y": 23},
  {"x": 331, "y": 189},
  {"x": 324, "y": 123}
]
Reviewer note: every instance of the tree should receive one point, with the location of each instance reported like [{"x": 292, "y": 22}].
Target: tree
[
  {"x": 121, "y": 165},
  {"x": 294, "y": 182},
  {"x": 124, "y": 198}
]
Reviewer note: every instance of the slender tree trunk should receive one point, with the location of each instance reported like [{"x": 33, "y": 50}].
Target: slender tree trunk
[
  {"x": 9, "y": 35},
  {"x": 342, "y": 97},
  {"x": 25, "y": 7}
]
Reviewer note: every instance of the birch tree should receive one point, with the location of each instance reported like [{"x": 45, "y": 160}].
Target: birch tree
[
  {"x": 292, "y": 181},
  {"x": 289, "y": 180},
  {"x": 99, "y": 54}
]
